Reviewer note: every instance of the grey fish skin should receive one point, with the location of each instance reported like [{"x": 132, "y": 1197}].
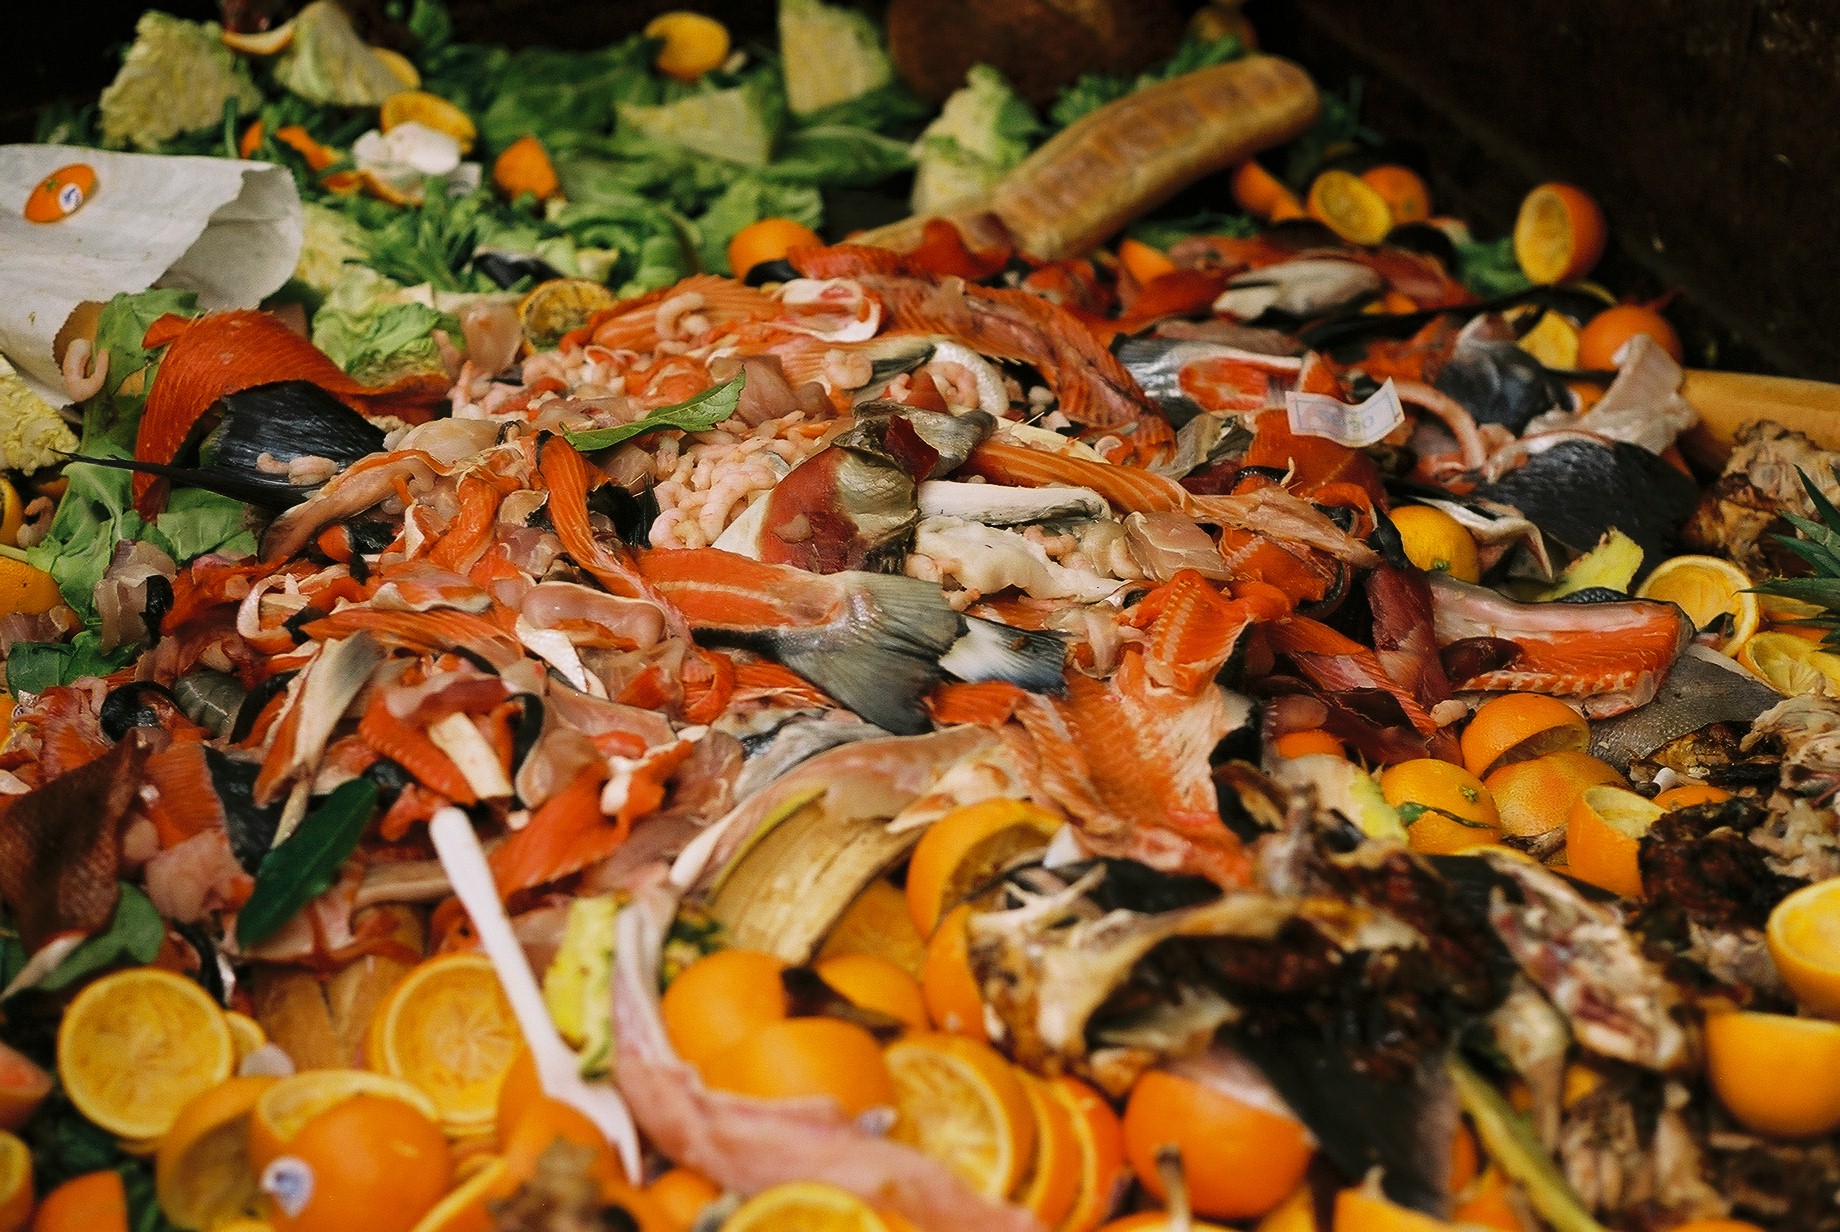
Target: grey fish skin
[
  {"x": 1500, "y": 383},
  {"x": 1704, "y": 687}
]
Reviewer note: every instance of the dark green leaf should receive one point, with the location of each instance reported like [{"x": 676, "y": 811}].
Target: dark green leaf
[
  {"x": 1164, "y": 233},
  {"x": 33, "y": 667},
  {"x": 1815, "y": 532},
  {"x": 1094, "y": 90},
  {"x": 133, "y": 936},
  {"x": 1491, "y": 270},
  {"x": 1824, "y": 591},
  {"x": 699, "y": 414},
  {"x": 307, "y": 863}
]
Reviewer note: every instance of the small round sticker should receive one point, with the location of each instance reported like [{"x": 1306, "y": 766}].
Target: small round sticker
[{"x": 61, "y": 194}]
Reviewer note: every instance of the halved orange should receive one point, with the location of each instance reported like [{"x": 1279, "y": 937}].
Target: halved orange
[
  {"x": 1706, "y": 588},
  {"x": 878, "y": 923},
  {"x": 26, "y": 590},
  {"x": 962, "y": 1103},
  {"x": 1778, "y": 1075},
  {"x": 1559, "y": 234},
  {"x": 1360, "y": 1210},
  {"x": 875, "y": 983},
  {"x": 448, "y": 1029},
  {"x": 1804, "y": 936},
  {"x": 1350, "y": 207},
  {"x": 1603, "y": 833},
  {"x": 805, "y": 1057},
  {"x": 23, "y": 1084},
  {"x": 137, "y": 1045},
  {"x": 1518, "y": 727},
  {"x": 202, "y": 1174},
  {"x": 1689, "y": 794},
  {"x": 1793, "y": 666},
  {"x": 1437, "y": 542},
  {"x": 285, "y": 1108},
  {"x": 246, "y": 1034},
  {"x": 966, "y": 848},
  {"x": 1553, "y": 341}
]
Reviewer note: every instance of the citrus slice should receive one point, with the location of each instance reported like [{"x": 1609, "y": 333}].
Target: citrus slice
[
  {"x": 202, "y": 1174},
  {"x": 1437, "y": 542},
  {"x": 947, "y": 984},
  {"x": 1519, "y": 727},
  {"x": 12, "y": 513},
  {"x": 1793, "y": 666},
  {"x": 968, "y": 847},
  {"x": 1051, "y": 1185},
  {"x": 464, "y": 1208},
  {"x": 401, "y": 67},
  {"x": 961, "y": 1103},
  {"x": 1348, "y": 206},
  {"x": 448, "y": 1029},
  {"x": 1804, "y": 935},
  {"x": 15, "y": 1183},
  {"x": 1558, "y": 234},
  {"x": 430, "y": 111},
  {"x": 878, "y": 923},
  {"x": 875, "y": 983},
  {"x": 284, "y": 1109},
  {"x": 246, "y": 1034},
  {"x": 1602, "y": 835},
  {"x": 1706, "y": 588},
  {"x": 136, "y": 1046},
  {"x": 1263, "y": 195},
  {"x": 1777, "y": 1075},
  {"x": 804, "y": 1206},
  {"x": 1553, "y": 341},
  {"x": 1101, "y": 1139}
]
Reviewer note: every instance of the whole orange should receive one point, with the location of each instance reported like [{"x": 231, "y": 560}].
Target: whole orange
[{"x": 1239, "y": 1160}]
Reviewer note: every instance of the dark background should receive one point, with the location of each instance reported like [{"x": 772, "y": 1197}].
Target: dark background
[{"x": 1709, "y": 129}]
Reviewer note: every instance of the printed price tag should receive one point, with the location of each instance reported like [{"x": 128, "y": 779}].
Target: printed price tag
[{"x": 1361, "y": 424}]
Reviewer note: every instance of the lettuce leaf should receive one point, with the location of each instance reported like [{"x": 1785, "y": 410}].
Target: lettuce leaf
[
  {"x": 556, "y": 95},
  {"x": 984, "y": 130},
  {"x": 111, "y": 418},
  {"x": 838, "y": 155},
  {"x": 176, "y": 78},
  {"x": 1094, "y": 90},
  {"x": 196, "y": 522},
  {"x": 739, "y": 124},
  {"x": 699, "y": 414},
  {"x": 33, "y": 667},
  {"x": 370, "y": 329}
]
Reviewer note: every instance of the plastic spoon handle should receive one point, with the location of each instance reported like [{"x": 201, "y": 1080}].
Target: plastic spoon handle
[{"x": 465, "y": 862}]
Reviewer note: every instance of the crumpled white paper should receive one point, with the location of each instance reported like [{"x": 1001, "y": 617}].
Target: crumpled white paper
[{"x": 229, "y": 230}]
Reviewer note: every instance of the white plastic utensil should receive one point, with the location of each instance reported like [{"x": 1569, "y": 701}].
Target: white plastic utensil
[{"x": 557, "y": 1068}]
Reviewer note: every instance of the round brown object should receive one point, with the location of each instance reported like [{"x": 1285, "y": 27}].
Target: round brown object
[{"x": 1039, "y": 45}]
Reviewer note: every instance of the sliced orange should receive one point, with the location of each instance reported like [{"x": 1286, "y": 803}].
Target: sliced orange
[
  {"x": 1536, "y": 797},
  {"x": 960, "y": 1102},
  {"x": 430, "y": 111},
  {"x": 285, "y": 1108},
  {"x": 15, "y": 1183},
  {"x": 1804, "y": 936},
  {"x": 1689, "y": 794},
  {"x": 1102, "y": 1168},
  {"x": 448, "y": 1029},
  {"x": 1350, "y": 207},
  {"x": 1559, "y": 234},
  {"x": 947, "y": 984},
  {"x": 1706, "y": 588},
  {"x": 966, "y": 848},
  {"x": 136, "y": 1046},
  {"x": 202, "y": 1174},
  {"x": 12, "y": 514},
  {"x": 369, "y": 1161},
  {"x": 1163, "y": 1221},
  {"x": 805, "y": 1206},
  {"x": 1601, "y": 342},
  {"x": 1520, "y": 726},
  {"x": 465, "y": 1208},
  {"x": 875, "y": 983},
  {"x": 1051, "y": 1185},
  {"x": 1777, "y": 1075},
  {"x": 246, "y": 1034},
  {"x": 1602, "y": 835},
  {"x": 1403, "y": 190},
  {"x": 878, "y": 923},
  {"x": 1437, "y": 542}
]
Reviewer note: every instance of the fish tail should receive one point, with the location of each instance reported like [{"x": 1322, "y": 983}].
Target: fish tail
[{"x": 1033, "y": 660}]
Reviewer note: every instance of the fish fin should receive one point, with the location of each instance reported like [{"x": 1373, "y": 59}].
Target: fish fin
[
  {"x": 1035, "y": 660},
  {"x": 881, "y": 658},
  {"x": 274, "y": 496}
]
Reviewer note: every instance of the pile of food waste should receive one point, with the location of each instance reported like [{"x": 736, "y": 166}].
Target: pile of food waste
[{"x": 1045, "y": 715}]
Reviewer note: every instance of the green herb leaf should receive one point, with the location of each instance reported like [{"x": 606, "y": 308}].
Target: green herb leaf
[
  {"x": 699, "y": 414},
  {"x": 33, "y": 667},
  {"x": 133, "y": 935},
  {"x": 307, "y": 863}
]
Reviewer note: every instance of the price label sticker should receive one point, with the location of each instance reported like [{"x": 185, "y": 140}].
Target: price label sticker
[{"x": 1362, "y": 424}]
